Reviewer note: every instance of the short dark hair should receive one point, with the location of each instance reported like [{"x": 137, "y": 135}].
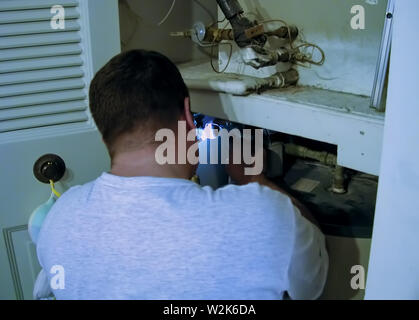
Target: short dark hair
[{"x": 137, "y": 88}]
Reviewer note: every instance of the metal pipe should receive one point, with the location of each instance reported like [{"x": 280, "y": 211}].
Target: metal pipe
[
  {"x": 338, "y": 185},
  {"x": 283, "y": 32},
  {"x": 216, "y": 35},
  {"x": 246, "y": 32},
  {"x": 242, "y": 85},
  {"x": 230, "y": 8},
  {"x": 303, "y": 152}
]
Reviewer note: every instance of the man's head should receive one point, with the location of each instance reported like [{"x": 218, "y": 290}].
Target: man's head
[{"x": 135, "y": 94}]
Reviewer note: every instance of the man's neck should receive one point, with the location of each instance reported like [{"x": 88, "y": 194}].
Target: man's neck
[{"x": 142, "y": 162}]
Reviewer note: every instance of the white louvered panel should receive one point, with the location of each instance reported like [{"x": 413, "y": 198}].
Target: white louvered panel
[
  {"x": 40, "y": 51},
  {"x": 16, "y": 29},
  {"x": 43, "y": 121},
  {"x": 35, "y": 15},
  {"x": 42, "y": 78},
  {"x": 42, "y": 98},
  {"x": 40, "y": 63},
  {"x": 40, "y": 75},
  {"x": 52, "y": 108}
]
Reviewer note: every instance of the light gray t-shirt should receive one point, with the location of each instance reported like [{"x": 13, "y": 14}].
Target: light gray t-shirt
[{"x": 162, "y": 238}]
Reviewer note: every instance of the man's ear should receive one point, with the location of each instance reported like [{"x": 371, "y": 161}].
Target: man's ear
[{"x": 188, "y": 115}]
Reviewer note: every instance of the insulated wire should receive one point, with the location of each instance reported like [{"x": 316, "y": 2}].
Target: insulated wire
[
  {"x": 214, "y": 44},
  {"x": 228, "y": 61},
  {"x": 167, "y": 14},
  {"x": 57, "y": 194}
]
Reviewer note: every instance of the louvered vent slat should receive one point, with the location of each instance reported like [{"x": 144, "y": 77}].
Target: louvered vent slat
[
  {"x": 43, "y": 121},
  {"x": 41, "y": 86},
  {"x": 42, "y": 75},
  {"x": 35, "y": 15},
  {"x": 41, "y": 98},
  {"x": 52, "y": 108},
  {"x": 40, "y": 63},
  {"x": 40, "y": 51},
  {"x": 39, "y": 39},
  {"x": 16, "y": 29}
]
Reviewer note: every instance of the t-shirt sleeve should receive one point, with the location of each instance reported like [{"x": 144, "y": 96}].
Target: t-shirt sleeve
[{"x": 309, "y": 262}]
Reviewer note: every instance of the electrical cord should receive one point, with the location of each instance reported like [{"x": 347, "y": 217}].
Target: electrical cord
[
  {"x": 138, "y": 18},
  {"x": 305, "y": 58},
  {"x": 214, "y": 44},
  {"x": 54, "y": 191},
  {"x": 167, "y": 14},
  {"x": 228, "y": 61}
]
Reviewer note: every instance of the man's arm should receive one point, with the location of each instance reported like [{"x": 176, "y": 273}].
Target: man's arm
[
  {"x": 236, "y": 172},
  {"x": 309, "y": 260},
  {"x": 264, "y": 181}
]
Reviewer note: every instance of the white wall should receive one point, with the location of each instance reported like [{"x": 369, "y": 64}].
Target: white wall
[
  {"x": 147, "y": 35},
  {"x": 394, "y": 261},
  {"x": 104, "y": 31}
]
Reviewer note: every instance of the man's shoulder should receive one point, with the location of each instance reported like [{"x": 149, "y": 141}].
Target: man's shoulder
[
  {"x": 253, "y": 192},
  {"x": 78, "y": 191},
  {"x": 70, "y": 201},
  {"x": 254, "y": 198},
  {"x": 74, "y": 196}
]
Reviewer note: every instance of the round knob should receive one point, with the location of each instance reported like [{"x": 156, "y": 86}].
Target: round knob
[{"x": 49, "y": 167}]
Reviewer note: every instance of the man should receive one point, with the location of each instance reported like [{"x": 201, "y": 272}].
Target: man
[{"x": 145, "y": 231}]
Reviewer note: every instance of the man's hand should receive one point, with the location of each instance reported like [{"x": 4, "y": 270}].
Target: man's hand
[{"x": 237, "y": 171}]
